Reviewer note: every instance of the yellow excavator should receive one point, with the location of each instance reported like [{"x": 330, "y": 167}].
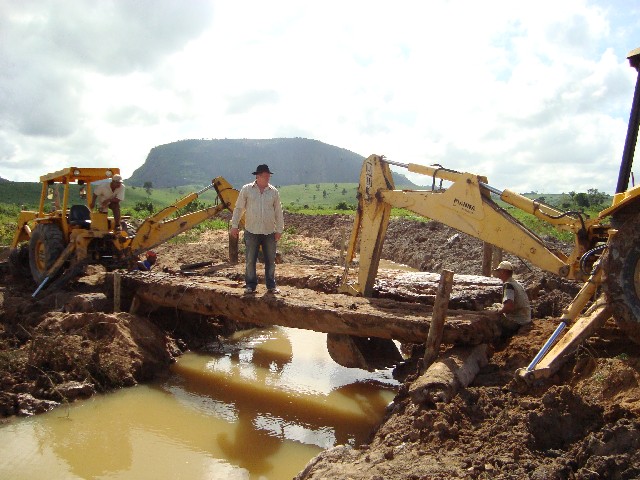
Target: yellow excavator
[
  {"x": 55, "y": 242},
  {"x": 605, "y": 255}
]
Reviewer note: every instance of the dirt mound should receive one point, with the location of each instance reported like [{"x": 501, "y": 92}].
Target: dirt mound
[
  {"x": 583, "y": 424},
  {"x": 49, "y": 356}
]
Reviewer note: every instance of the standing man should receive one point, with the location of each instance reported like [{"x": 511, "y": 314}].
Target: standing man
[
  {"x": 109, "y": 196},
  {"x": 264, "y": 224},
  {"x": 515, "y": 310}
]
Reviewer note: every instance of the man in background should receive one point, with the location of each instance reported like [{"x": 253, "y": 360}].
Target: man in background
[
  {"x": 108, "y": 196},
  {"x": 148, "y": 263},
  {"x": 515, "y": 310}
]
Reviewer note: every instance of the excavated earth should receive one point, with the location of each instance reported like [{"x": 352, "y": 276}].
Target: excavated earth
[{"x": 583, "y": 423}]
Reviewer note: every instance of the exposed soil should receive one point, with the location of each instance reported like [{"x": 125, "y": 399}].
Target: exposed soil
[{"x": 582, "y": 423}]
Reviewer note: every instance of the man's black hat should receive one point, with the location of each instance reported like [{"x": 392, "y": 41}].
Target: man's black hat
[{"x": 262, "y": 169}]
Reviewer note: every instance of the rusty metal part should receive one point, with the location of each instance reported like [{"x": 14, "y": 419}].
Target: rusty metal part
[{"x": 622, "y": 276}]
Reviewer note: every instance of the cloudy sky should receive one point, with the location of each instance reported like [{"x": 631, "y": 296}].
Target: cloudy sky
[{"x": 533, "y": 95}]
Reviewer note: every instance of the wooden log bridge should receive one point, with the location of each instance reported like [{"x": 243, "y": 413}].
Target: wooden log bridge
[{"x": 303, "y": 308}]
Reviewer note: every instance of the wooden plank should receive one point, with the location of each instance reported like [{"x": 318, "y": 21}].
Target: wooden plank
[
  {"x": 306, "y": 309},
  {"x": 116, "y": 291}
]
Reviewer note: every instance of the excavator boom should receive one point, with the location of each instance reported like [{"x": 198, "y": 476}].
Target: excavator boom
[
  {"x": 156, "y": 230},
  {"x": 466, "y": 206}
]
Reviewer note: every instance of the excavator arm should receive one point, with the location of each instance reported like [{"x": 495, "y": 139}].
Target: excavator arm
[
  {"x": 158, "y": 228},
  {"x": 466, "y": 206}
]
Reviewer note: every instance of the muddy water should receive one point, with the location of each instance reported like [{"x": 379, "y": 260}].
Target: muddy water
[{"x": 259, "y": 406}]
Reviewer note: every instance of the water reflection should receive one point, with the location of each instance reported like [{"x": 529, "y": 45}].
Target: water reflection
[
  {"x": 249, "y": 447},
  {"x": 258, "y": 406}
]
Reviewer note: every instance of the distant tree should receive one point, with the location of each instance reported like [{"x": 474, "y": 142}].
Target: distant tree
[
  {"x": 596, "y": 197},
  {"x": 582, "y": 200},
  {"x": 342, "y": 206},
  {"x": 144, "y": 207},
  {"x": 344, "y": 191},
  {"x": 324, "y": 194},
  {"x": 318, "y": 186},
  {"x": 335, "y": 186},
  {"x": 147, "y": 187}
]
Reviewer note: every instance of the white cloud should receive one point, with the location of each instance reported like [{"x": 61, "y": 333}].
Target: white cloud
[{"x": 535, "y": 96}]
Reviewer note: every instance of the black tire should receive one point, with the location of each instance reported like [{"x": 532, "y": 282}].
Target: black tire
[
  {"x": 46, "y": 245},
  {"x": 621, "y": 268},
  {"x": 19, "y": 262}
]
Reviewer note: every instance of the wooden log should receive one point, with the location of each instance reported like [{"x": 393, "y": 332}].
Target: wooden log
[
  {"x": 192, "y": 266},
  {"x": 434, "y": 338},
  {"x": 307, "y": 309},
  {"x": 445, "y": 377},
  {"x": 469, "y": 292}
]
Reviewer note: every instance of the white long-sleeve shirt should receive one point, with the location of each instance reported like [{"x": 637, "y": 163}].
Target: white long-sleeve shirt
[
  {"x": 103, "y": 192},
  {"x": 264, "y": 210}
]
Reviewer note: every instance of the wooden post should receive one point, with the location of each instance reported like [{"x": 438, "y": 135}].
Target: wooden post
[
  {"x": 487, "y": 253},
  {"x": 116, "y": 292},
  {"x": 434, "y": 337},
  {"x": 497, "y": 257},
  {"x": 135, "y": 305},
  {"x": 233, "y": 249}
]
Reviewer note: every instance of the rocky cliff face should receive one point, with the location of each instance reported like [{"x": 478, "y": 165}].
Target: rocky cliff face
[{"x": 293, "y": 160}]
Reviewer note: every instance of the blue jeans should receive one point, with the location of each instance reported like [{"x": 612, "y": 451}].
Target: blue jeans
[{"x": 253, "y": 242}]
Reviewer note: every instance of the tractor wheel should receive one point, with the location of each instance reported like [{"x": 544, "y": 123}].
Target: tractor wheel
[
  {"x": 19, "y": 262},
  {"x": 621, "y": 268},
  {"x": 46, "y": 245}
]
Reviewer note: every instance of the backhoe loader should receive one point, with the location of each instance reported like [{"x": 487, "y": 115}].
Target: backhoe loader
[
  {"x": 605, "y": 255},
  {"x": 55, "y": 242}
]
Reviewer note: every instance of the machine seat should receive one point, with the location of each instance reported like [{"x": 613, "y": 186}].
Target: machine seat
[{"x": 80, "y": 215}]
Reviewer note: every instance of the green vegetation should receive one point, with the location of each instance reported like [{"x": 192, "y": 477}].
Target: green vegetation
[
  {"x": 318, "y": 197},
  {"x": 589, "y": 204},
  {"x": 8, "y": 222},
  {"x": 310, "y": 199}
]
